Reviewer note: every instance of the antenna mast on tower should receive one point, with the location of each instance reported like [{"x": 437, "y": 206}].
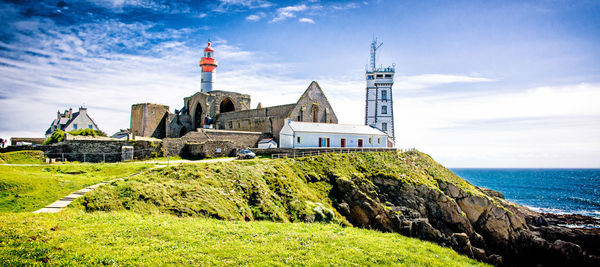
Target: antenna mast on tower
[{"x": 374, "y": 48}]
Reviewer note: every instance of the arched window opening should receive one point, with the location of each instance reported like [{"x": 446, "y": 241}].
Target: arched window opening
[
  {"x": 226, "y": 105},
  {"x": 315, "y": 114},
  {"x": 183, "y": 131},
  {"x": 198, "y": 118}
]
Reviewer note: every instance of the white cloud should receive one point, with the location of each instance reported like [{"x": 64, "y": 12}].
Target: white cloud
[
  {"x": 430, "y": 80},
  {"x": 344, "y": 6},
  {"x": 288, "y": 12},
  {"x": 306, "y": 20},
  {"x": 255, "y": 17},
  {"x": 170, "y": 7},
  {"x": 227, "y": 5}
]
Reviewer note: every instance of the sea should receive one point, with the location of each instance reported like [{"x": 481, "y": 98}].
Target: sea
[{"x": 560, "y": 191}]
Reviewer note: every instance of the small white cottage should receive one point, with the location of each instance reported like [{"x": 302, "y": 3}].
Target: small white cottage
[
  {"x": 267, "y": 143},
  {"x": 295, "y": 134}
]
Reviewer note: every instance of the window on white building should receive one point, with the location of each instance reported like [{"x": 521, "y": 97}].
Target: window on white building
[
  {"x": 384, "y": 126},
  {"x": 384, "y": 95},
  {"x": 383, "y": 109},
  {"x": 298, "y": 139},
  {"x": 75, "y": 126},
  {"x": 370, "y": 140},
  {"x": 90, "y": 126},
  {"x": 378, "y": 140}
]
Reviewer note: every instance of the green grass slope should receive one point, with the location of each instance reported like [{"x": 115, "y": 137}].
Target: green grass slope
[
  {"x": 22, "y": 157},
  {"x": 125, "y": 238},
  {"x": 28, "y": 188},
  {"x": 279, "y": 190}
]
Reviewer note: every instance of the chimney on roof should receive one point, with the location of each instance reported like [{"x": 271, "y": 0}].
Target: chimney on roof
[
  {"x": 82, "y": 110},
  {"x": 58, "y": 114},
  {"x": 70, "y": 113}
]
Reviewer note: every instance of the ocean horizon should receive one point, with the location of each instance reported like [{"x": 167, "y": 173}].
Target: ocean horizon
[{"x": 551, "y": 190}]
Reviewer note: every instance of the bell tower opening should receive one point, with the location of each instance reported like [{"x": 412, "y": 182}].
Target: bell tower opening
[
  {"x": 198, "y": 119},
  {"x": 226, "y": 105}
]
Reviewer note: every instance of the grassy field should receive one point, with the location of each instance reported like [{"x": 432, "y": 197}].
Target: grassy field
[
  {"x": 28, "y": 188},
  {"x": 22, "y": 157},
  {"x": 73, "y": 237}
]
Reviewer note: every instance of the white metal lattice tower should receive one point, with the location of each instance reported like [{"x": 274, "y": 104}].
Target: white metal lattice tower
[{"x": 379, "y": 106}]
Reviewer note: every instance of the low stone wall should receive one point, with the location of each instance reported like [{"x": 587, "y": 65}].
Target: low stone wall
[
  {"x": 238, "y": 139},
  {"x": 100, "y": 150},
  {"x": 210, "y": 149}
]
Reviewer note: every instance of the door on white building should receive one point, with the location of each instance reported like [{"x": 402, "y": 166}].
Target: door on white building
[
  {"x": 343, "y": 142},
  {"x": 360, "y": 143},
  {"x": 323, "y": 142}
]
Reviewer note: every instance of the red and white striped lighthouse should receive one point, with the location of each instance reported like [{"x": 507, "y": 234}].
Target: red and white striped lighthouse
[{"x": 209, "y": 68}]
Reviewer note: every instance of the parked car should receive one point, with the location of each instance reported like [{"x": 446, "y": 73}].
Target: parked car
[{"x": 245, "y": 154}]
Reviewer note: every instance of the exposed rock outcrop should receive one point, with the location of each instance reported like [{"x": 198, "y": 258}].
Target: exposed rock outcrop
[{"x": 474, "y": 221}]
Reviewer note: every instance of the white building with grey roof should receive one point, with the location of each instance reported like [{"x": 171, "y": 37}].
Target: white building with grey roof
[
  {"x": 69, "y": 121},
  {"x": 296, "y": 134}
]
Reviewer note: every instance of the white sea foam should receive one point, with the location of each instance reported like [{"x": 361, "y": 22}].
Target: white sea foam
[{"x": 591, "y": 213}]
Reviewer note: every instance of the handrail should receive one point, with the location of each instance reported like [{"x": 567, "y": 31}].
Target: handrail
[{"x": 334, "y": 150}]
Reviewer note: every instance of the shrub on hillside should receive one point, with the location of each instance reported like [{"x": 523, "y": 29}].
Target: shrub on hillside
[
  {"x": 87, "y": 132},
  {"x": 56, "y": 137},
  {"x": 59, "y": 135}
]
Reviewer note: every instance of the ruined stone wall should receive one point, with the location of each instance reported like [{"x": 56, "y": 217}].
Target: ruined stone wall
[
  {"x": 149, "y": 120},
  {"x": 179, "y": 125},
  {"x": 240, "y": 101},
  {"x": 266, "y": 120},
  {"x": 238, "y": 139},
  {"x": 313, "y": 104},
  {"x": 201, "y": 105},
  {"x": 210, "y": 149}
]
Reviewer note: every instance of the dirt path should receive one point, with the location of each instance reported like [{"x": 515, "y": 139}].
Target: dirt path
[{"x": 65, "y": 201}]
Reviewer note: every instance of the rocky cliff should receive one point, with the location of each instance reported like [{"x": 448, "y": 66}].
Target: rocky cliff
[{"x": 408, "y": 193}]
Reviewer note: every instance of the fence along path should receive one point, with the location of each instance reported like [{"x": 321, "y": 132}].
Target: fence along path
[
  {"x": 94, "y": 156},
  {"x": 297, "y": 154}
]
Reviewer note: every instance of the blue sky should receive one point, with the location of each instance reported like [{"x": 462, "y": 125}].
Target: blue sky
[{"x": 478, "y": 83}]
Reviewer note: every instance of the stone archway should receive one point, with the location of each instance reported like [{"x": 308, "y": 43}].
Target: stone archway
[
  {"x": 198, "y": 118},
  {"x": 226, "y": 105}
]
